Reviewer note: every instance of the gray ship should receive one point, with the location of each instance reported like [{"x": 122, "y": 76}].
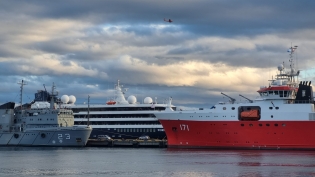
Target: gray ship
[{"x": 38, "y": 125}]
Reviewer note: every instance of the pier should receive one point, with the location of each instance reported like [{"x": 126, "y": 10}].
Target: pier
[{"x": 154, "y": 143}]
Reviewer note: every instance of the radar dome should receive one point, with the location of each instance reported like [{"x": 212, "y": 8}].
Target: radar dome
[
  {"x": 132, "y": 99},
  {"x": 147, "y": 100},
  {"x": 64, "y": 99},
  {"x": 280, "y": 67},
  {"x": 72, "y": 99}
]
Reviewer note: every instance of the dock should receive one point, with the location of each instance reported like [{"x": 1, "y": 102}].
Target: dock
[{"x": 154, "y": 143}]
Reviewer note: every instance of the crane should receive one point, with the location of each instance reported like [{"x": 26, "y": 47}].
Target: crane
[{"x": 231, "y": 99}]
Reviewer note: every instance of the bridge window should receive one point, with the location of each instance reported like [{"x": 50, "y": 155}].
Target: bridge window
[{"x": 281, "y": 93}]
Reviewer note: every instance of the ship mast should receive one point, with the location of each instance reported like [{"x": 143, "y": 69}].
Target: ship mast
[
  {"x": 53, "y": 94},
  {"x": 292, "y": 72},
  {"x": 21, "y": 93}
]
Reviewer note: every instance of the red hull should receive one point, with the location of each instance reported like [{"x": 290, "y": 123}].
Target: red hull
[{"x": 240, "y": 134}]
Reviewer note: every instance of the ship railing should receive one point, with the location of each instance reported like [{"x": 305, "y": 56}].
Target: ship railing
[{"x": 298, "y": 101}]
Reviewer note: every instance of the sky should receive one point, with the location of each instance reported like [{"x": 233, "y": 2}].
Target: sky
[{"x": 212, "y": 46}]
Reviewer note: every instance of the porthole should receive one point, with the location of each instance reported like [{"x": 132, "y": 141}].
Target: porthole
[
  {"x": 267, "y": 125},
  {"x": 250, "y": 125},
  {"x": 16, "y": 136},
  {"x": 224, "y": 108},
  {"x": 283, "y": 125},
  {"x": 277, "y": 107},
  {"x": 270, "y": 107},
  {"x": 276, "y": 125},
  {"x": 233, "y": 108},
  {"x": 260, "y": 125},
  {"x": 242, "y": 125},
  {"x": 271, "y": 116}
]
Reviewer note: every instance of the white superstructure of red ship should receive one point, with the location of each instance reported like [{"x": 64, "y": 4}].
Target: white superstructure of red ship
[{"x": 282, "y": 117}]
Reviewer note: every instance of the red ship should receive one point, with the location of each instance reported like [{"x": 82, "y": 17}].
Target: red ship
[{"x": 282, "y": 117}]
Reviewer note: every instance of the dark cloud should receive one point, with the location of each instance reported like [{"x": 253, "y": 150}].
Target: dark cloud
[
  {"x": 204, "y": 17},
  {"x": 85, "y": 46}
]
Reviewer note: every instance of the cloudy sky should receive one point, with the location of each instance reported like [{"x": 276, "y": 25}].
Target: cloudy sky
[{"x": 212, "y": 46}]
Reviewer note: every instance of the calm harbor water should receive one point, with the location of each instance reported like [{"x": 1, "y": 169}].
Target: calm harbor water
[{"x": 152, "y": 162}]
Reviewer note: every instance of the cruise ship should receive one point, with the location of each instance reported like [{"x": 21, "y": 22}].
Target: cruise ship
[
  {"x": 119, "y": 118},
  {"x": 282, "y": 117}
]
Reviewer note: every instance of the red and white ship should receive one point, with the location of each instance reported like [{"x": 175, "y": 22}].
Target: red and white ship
[{"x": 282, "y": 117}]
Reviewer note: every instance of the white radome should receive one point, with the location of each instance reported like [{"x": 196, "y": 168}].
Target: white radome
[
  {"x": 132, "y": 99},
  {"x": 72, "y": 99},
  {"x": 280, "y": 67},
  {"x": 65, "y": 99},
  {"x": 147, "y": 100}
]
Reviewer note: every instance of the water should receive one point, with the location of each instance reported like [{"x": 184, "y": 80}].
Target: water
[{"x": 140, "y": 162}]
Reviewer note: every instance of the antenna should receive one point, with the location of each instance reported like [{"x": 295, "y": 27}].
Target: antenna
[
  {"x": 21, "y": 92},
  {"x": 44, "y": 87},
  {"x": 231, "y": 99}
]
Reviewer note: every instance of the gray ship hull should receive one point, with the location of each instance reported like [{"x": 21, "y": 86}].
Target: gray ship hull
[{"x": 75, "y": 136}]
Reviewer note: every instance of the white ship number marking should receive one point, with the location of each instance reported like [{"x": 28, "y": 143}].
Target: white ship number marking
[
  {"x": 184, "y": 127},
  {"x": 66, "y": 135}
]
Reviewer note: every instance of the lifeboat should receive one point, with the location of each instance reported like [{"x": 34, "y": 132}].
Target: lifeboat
[
  {"x": 111, "y": 102},
  {"x": 250, "y": 114}
]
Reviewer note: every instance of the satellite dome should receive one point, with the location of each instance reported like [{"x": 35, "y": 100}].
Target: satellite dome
[
  {"x": 64, "y": 99},
  {"x": 280, "y": 67},
  {"x": 132, "y": 99},
  {"x": 148, "y": 100},
  {"x": 72, "y": 99}
]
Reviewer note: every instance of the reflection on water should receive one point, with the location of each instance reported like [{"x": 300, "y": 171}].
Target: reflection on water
[{"x": 134, "y": 162}]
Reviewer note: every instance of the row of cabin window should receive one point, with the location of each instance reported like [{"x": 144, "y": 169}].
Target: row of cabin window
[
  {"x": 41, "y": 119},
  {"x": 116, "y": 116},
  {"x": 135, "y": 130},
  {"x": 233, "y": 108},
  {"x": 281, "y": 93},
  {"x": 119, "y": 109},
  {"x": 120, "y": 123}
]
